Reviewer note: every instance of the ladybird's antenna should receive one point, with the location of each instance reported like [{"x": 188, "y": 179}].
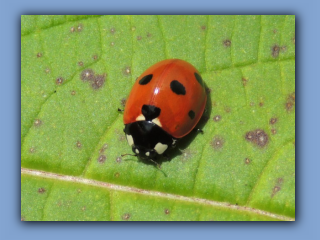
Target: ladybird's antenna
[
  {"x": 159, "y": 167},
  {"x": 157, "y": 164},
  {"x": 122, "y": 155}
]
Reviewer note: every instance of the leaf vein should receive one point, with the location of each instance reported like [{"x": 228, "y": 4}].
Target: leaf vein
[{"x": 115, "y": 187}]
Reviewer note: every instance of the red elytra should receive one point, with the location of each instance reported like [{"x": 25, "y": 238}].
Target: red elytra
[{"x": 176, "y": 88}]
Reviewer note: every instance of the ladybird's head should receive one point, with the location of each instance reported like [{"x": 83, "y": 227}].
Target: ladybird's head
[{"x": 147, "y": 139}]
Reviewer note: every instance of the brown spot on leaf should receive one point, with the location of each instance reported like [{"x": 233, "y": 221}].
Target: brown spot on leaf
[
  {"x": 249, "y": 136},
  {"x": 283, "y": 49},
  {"x": 32, "y": 150},
  {"x": 73, "y": 92},
  {"x": 80, "y": 63},
  {"x": 273, "y": 120},
  {"x": 275, "y": 51},
  {"x": 258, "y": 137},
  {"x": 37, "y": 123},
  {"x": 217, "y": 118},
  {"x": 273, "y": 131},
  {"x": 149, "y": 35},
  {"x": 244, "y": 81},
  {"x": 39, "y": 55},
  {"x": 126, "y": 71},
  {"x": 95, "y": 57},
  {"x": 41, "y": 190},
  {"x": 116, "y": 175},
  {"x": 217, "y": 142},
  {"x": 102, "y": 158},
  {"x": 279, "y": 181},
  {"x": 289, "y": 106},
  {"x": 275, "y": 190},
  {"x": 118, "y": 159},
  {"x": 87, "y": 75},
  {"x": 104, "y": 147},
  {"x": 227, "y": 43},
  {"x": 261, "y": 138},
  {"x": 292, "y": 97},
  {"x": 139, "y": 38},
  {"x": 126, "y": 216},
  {"x": 98, "y": 81},
  {"x": 203, "y": 27},
  {"x": 247, "y": 161},
  {"x": 79, "y": 28},
  {"x": 112, "y": 30},
  {"x": 59, "y": 80},
  {"x": 291, "y": 100},
  {"x": 123, "y": 102},
  {"x": 72, "y": 29},
  {"x": 166, "y": 211},
  {"x": 78, "y": 144}
]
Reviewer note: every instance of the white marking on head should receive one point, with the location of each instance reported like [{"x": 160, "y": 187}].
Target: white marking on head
[
  {"x": 160, "y": 148},
  {"x": 157, "y": 122},
  {"x": 140, "y": 118},
  {"x": 137, "y": 151},
  {"x": 148, "y": 154},
  {"x": 174, "y": 141},
  {"x": 130, "y": 140}
]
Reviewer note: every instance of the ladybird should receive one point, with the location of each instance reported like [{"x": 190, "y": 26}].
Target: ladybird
[{"x": 165, "y": 104}]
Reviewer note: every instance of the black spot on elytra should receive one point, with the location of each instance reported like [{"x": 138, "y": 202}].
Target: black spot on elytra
[
  {"x": 177, "y": 87},
  {"x": 191, "y": 114},
  {"x": 146, "y": 79},
  {"x": 150, "y": 112},
  {"x": 199, "y": 78}
]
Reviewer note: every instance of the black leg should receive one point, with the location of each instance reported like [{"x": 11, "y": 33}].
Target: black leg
[
  {"x": 165, "y": 155},
  {"x": 157, "y": 164}
]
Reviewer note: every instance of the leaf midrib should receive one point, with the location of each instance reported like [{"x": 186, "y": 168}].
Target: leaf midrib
[{"x": 111, "y": 186}]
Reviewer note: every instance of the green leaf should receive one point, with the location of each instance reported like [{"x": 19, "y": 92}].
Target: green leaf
[{"x": 77, "y": 71}]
